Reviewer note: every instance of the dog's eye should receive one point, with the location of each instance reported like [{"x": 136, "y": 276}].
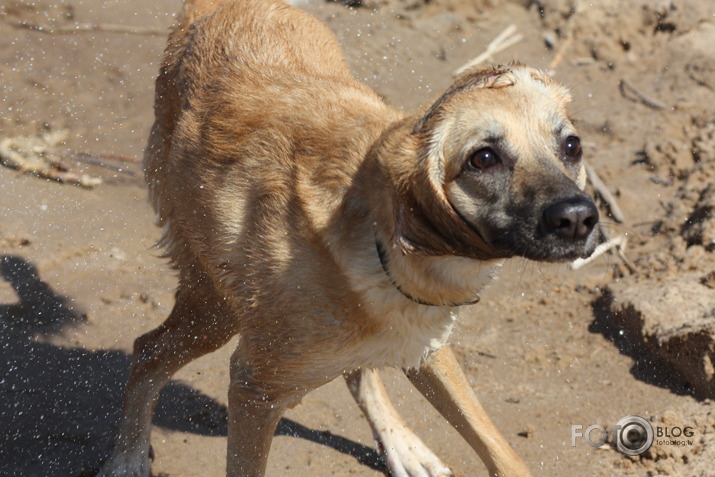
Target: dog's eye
[
  {"x": 572, "y": 148},
  {"x": 484, "y": 158}
]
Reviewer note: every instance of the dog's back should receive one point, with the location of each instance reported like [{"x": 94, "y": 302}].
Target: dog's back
[
  {"x": 205, "y": 41},
  {"x": 238, "y": 85}
]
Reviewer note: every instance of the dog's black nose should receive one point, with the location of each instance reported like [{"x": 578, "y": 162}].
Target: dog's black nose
[{"x": 571, "y": 219}]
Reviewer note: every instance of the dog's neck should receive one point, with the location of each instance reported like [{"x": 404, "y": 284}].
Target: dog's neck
[
  {"x": 437, "y": 280},
  {"x": 385, "y": 262}
]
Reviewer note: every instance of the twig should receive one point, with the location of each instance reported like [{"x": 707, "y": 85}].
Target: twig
[
  {"x": 111, "y": 157},
  {"x": 504, "y": 40},
  {"x": 559, "y": 56},
  {"x": 617, "y": 242},
  {"x": 625, "y": 86},
  {"x": 34, "y": 155},
  {"x": 629, "y": 265},
  {"x": 90, "y": 27},
  {"x": 90, "y": 158},
  {"x": 605, "y": 194}
]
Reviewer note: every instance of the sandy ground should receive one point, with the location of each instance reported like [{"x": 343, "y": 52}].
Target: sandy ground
[{"x": 544, "y": 351}]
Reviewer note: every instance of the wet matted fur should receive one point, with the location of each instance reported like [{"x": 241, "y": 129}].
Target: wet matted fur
[{"x": 335, "y": 234}]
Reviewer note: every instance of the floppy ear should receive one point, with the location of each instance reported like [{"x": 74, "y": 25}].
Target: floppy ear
[
  {"x": 489, "y": 77},
  {"x": 425, "y": 221},
  {"x": 427, "y": 224},
  {"x": 415, "y": 233},
  {"x": 396, "y": 155}
]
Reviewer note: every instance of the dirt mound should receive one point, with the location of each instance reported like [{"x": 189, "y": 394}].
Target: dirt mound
[{"x": 669, "y": 322}]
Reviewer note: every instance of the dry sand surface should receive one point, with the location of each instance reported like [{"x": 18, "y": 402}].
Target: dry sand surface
[{"x": 548, "y": 347}]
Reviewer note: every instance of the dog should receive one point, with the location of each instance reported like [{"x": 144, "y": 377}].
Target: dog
[{"x": 334, "y": 234}]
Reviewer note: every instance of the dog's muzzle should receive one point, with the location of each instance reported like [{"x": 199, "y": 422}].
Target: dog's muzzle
[{"x": 570, "y": 219}]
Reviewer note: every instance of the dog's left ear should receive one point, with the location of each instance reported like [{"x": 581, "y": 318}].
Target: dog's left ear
[
  {"x": 489, "y": 77},
  {"x": 560, "y": 91}
]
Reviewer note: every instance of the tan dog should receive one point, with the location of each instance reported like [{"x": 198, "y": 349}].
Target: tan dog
[{"x": 334, "y": 234}]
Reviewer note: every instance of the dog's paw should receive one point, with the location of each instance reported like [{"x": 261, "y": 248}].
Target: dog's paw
[
  {"x": 124, "y": 465},
  {"x": 407, "y": 456},
  {"x": 417, "y": 466}
]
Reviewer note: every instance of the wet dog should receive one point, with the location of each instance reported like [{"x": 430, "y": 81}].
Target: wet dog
[{"x": 334, "y": 234}]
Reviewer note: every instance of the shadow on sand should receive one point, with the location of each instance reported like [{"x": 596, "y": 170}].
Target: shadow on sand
[
  {"x": 59, "y": 406},
  {"x": 626, "y": 335}
]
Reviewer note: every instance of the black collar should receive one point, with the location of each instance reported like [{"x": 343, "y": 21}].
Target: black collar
[{"x": 384, "y": 261}]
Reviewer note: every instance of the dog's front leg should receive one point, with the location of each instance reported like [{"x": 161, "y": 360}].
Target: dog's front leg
[
  {"x": 405, "y": 453},
  {"x": 442, "y": 382}
]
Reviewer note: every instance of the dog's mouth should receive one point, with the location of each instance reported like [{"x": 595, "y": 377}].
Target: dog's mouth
[
  {"x": 563, "y": 252},
  {"x": 565, "y": 230},
  {"x": 546, "y": 249}
]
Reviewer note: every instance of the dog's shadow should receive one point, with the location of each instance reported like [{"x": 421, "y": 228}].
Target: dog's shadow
[{"x": 59, "y": 406}]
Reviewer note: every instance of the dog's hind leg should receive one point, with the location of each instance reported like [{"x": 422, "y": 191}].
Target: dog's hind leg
[
  {"x": 197, "y": 325},
  {"x": 442, "y": 382},
  {"x": 405, "y": 453}
]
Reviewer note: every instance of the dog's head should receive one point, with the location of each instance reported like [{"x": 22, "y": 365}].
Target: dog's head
[{"x": 498, "y": 172}]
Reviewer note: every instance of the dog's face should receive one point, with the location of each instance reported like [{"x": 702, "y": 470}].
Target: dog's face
[{"x": 501, "y": 152}]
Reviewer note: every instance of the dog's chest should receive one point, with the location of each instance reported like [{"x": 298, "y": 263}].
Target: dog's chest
[
  {"x": 399, "y": 331},
  {"x": 404, "y": 332}
]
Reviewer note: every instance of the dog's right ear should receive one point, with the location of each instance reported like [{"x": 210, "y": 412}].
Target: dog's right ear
[
  {"x": 489, "y": 77},
  {"x": 395, "y": 156},
  {"x": 414, "y": 232},
  {"x": 424, "y": 221}
]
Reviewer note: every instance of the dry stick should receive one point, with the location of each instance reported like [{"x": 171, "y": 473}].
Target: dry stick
[
  {"x": 112, "y": 157},
  {"x": 605, "y": 194},
  {"x": 616, "y": 242},
  {"x": 90, "y": 27},
  {"x": 619, "y": 242},
  {"x": 629, "y": 265},
  {"x": 31, "y": 155},
  {"x": 504, "y": 40},
  {"x": 95, "y": 160},
  {"x": 624, "y": 86},
  {"x": 559, "y": 56},
  {"x": 53, "y": 173}
]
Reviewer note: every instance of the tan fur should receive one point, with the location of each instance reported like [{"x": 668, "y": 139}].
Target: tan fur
[{"x": 277, "y": 178}]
